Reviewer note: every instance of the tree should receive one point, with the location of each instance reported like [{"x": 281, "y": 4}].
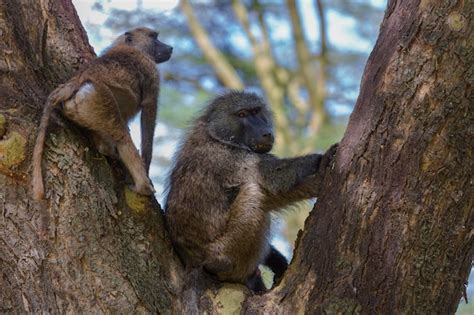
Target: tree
[{"x": 391, "y": 232}]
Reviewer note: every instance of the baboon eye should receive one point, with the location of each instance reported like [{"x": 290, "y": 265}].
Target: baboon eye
[
  {"x": 242, "y": 114},
  {"x": 154, "y": 35},
  {"x": 254, "y": 111},
  {"x": 128, "y": 37}
]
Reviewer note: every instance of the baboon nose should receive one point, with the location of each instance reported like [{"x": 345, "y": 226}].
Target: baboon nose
[{"x": 267, "y": 138}]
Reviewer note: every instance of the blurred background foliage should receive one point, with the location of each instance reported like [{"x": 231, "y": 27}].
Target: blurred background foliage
[{"x": 304, "y": 57}]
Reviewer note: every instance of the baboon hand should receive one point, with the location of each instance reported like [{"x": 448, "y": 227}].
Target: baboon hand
[{"x": 328, "y": 157}]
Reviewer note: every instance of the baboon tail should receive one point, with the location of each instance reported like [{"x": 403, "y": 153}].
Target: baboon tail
[
  {"x": 37, "y": 182},
  {"x": 59, "y": 95}
]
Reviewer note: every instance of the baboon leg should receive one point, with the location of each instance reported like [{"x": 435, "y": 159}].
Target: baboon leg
[
  {"x": 95, "y": 107},
  {"x": 105, "y": 146},
  {"x": 132, "y": 160},
  {"x": 277, "y": 263},
  {"x": 237, "y": 252},
  {"x": 255, "y": 283}
]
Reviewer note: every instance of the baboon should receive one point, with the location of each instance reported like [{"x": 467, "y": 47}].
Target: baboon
[
  {"x": 225, "y": 184},
  {"x": 105, "y": 95}
]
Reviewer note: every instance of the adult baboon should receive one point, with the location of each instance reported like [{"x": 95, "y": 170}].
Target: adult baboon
[
  {"x": 105, "y": 96},
  {"x": 224, "y": 186}
]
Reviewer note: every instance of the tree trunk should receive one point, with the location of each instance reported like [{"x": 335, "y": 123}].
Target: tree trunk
[
  {"x": 391, "y": 233},
  {"x": 93, "y": 246}
]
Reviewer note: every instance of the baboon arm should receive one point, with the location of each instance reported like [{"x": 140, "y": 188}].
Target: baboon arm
[
  {"x": 286, "y": 181},
  {"x": 243, "y": 226},
  {"x": 148, "y": 123}
]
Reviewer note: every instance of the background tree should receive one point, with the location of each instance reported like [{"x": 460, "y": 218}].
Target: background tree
[{"x": 392, "y": 231}]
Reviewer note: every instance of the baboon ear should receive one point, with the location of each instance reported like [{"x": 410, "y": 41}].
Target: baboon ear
[{"x": 128, "y": 37}]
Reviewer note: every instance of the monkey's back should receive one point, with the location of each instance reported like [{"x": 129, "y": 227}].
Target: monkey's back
[{"x": 123, "y": 71}]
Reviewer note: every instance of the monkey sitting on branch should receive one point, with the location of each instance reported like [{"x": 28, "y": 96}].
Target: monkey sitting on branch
[
  {"x": 103, "y": 98},
  {"x": 225, "y": 184}
]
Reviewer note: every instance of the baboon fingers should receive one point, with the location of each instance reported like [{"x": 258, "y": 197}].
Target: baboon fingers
[{"x": 327, "y": 157}]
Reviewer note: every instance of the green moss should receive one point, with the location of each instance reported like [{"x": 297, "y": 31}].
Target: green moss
[
  {"x": 3, "y": 128},
  {"x": 135, "y": 201},
  {"x": 456, "y": 21},
  {"x": 267, "y": 276},
  {"x": 228, "y": 299},
  {"x": 12, "y": 150}
]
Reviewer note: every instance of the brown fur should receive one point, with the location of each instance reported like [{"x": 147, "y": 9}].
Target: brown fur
[
  {"x": 105, "y": 96},
  {"x": 221, "y": 194}
]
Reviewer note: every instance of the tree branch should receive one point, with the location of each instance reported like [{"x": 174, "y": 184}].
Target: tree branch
[
  {"x": 224, "y": 71},
  {"x": 315, "y": 85}
]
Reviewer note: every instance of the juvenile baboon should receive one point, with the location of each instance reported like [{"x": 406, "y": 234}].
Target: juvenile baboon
[
  {"x": 224, "y": 186},
  {"x": 105, "y": 95}
]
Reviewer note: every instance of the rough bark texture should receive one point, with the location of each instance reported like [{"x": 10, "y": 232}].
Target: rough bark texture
[
  {"x": 93, "y": 246},
  {"x": 392, "y": 231}
]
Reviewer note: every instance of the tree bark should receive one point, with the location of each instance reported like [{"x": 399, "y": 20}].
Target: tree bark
[
  {"x": 392, "y": 231},
  {"x": 93, "y": 246}
]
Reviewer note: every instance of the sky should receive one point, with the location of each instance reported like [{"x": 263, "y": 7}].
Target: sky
[{"x": 89, "y": 16}]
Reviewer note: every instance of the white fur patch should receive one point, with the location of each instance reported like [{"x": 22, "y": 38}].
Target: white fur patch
[{"x": 84, "y": 92}]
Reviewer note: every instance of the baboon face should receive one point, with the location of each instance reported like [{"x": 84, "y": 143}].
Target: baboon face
[
  {"x": 147, "y": 40},
  {"x": 243, "y": 120}
]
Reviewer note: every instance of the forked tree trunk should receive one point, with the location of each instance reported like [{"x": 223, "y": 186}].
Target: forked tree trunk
[{"x": 392, "y": 231}]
